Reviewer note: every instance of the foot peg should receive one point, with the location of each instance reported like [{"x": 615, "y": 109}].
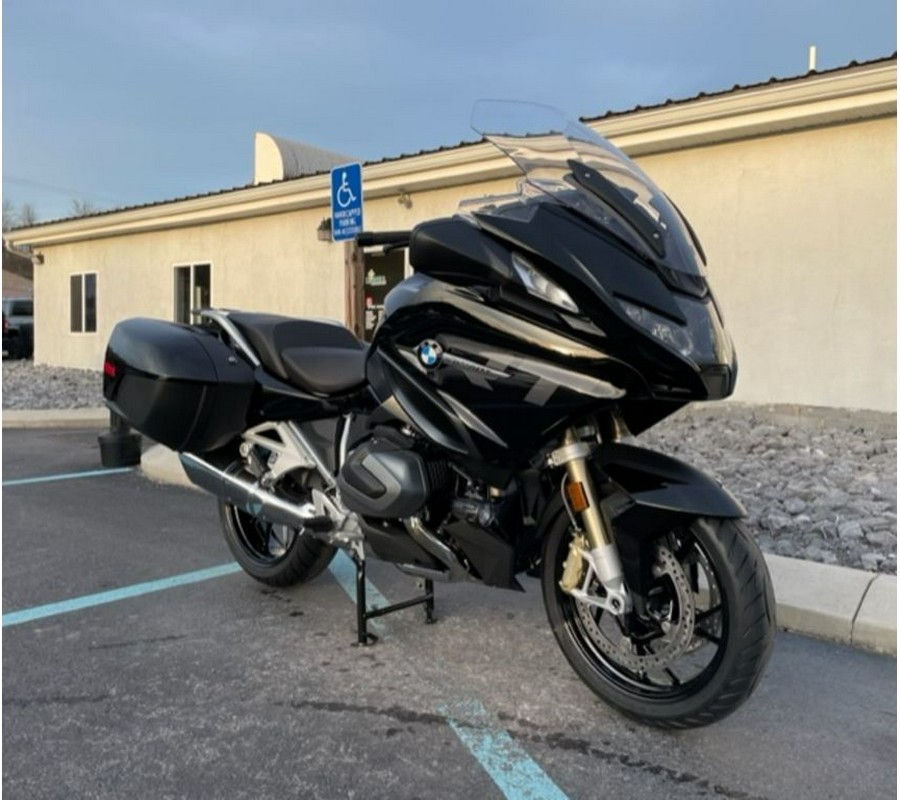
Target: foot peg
[{"x": 321, "y": 524}]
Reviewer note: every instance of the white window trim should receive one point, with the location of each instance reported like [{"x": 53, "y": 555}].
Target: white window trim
[
  {"x": 191, "y": 286},
  {"x": 84, "y": 332}
]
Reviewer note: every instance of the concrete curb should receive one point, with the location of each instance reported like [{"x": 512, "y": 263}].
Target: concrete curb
[
  {"x": 848, "y": 606},
  {"x": 55, "y": 418}
]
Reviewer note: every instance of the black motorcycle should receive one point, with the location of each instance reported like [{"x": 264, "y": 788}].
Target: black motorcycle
[{"x": 486, "y": 432}]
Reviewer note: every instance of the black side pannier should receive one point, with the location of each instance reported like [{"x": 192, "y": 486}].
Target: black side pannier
[{"x": 180, "y": 385}]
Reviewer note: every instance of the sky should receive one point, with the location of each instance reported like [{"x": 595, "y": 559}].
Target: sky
[{"x": 123, "y": 102}]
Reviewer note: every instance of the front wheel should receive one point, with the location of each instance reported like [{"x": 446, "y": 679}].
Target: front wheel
[{"x": 695, "y": 644}]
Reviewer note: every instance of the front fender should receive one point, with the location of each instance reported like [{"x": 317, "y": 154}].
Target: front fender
[{"x": 654, "y": 487}]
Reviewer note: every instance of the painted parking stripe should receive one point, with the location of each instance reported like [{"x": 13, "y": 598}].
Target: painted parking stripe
[
  {"x": 114, "y": 595},
  {"x": 516, "y": 774},
  {"x": 67, "y": 476},
  {"x": 344, "y": 571},
  {"x": 510, "y": 767},
  {"x": 342, "y": 567}
]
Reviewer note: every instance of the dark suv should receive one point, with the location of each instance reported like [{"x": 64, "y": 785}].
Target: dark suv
[{"x": 18, "y": 327}]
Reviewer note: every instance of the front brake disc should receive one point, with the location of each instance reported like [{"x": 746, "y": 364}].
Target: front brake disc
[{"x": 677, "y": 628}]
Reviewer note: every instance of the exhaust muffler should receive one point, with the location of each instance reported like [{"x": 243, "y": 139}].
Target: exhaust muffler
[{"x": 253, "y": 498}]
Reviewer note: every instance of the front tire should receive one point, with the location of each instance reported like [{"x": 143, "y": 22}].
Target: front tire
[{"x": 702, "y": 642}]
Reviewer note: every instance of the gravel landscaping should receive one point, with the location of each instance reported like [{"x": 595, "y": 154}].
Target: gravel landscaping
[
  {"x": 26, "y": 385},
  {"x": 819, "y": 484}
]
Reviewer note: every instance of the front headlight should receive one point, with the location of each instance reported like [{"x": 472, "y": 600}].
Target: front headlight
[
  {"x": 541, "y": 286},
  {"x": 703, "y": 340}
]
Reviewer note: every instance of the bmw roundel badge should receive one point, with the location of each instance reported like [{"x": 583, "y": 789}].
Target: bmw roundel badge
[{"x": 430, "y": 353}]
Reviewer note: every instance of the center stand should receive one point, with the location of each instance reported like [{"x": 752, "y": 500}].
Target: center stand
[{"x": 363, "y": 614}]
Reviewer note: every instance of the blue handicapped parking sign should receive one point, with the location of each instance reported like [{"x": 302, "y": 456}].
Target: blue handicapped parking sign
[{"x": 346, "y": 202}]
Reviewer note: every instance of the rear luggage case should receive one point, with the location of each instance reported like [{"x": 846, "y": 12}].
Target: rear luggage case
[{"x": 180, "y": 385}]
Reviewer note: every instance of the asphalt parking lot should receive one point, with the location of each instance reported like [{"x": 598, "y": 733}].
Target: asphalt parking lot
[{"x": 122, "y": 677}]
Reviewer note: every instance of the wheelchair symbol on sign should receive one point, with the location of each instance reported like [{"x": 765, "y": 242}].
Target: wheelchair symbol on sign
[{"x": 345, "y": 194}]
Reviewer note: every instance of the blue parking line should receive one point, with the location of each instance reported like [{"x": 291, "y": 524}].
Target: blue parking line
[
  {"x": 67, "y": 476},
  {"x": 516, "y": 774},
  {"x": 344, "y": 571},
  {"x": 114, "y": 595}
]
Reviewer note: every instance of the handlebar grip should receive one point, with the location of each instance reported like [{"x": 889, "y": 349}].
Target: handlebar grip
[{"x": 373, "y": 239}]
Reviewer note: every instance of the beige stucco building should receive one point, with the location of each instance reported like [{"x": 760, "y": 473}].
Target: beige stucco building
[{"x": 791, "y": 186}]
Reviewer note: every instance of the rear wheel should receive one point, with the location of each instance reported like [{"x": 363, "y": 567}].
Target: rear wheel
[
  {"x": 694, "y": 647},
  {"x": 276, "y": 555}
]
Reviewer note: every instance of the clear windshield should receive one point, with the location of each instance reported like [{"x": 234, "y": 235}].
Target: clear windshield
[{"x": 575, "y": 166}]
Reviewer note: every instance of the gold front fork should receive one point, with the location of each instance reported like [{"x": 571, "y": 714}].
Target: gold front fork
[{"x": 595, "y": 549}]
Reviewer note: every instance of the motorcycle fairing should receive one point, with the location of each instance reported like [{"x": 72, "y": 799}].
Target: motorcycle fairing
[
  {"x": 513, "y": 368},
  {"x": 602, "y": 273},
  {"x": 502, "y": 383}
]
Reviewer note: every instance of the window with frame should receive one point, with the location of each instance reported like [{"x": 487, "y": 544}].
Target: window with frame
[
  {"x": 193, "y": 290},
  {"x": 83, "y": 303}
]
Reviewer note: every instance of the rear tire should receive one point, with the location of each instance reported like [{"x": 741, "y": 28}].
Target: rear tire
[
  {"x": 728, "y": 628},
  {"x": 273, "y": 554}
]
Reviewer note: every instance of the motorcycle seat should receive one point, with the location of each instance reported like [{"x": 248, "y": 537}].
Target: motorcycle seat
[{"x": 316, "y": 356}]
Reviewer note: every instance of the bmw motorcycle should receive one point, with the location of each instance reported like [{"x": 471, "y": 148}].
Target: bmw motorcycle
[{"x": 487, "y": 431}]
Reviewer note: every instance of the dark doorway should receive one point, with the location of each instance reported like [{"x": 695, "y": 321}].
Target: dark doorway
[{"x": 381, "y": 273}]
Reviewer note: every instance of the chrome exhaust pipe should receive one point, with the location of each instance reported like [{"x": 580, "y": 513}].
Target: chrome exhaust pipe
[
  {"x": 436, "y": 575},
  {"x": 251, "y": 497},
  {"x": 431, "y": 544}
]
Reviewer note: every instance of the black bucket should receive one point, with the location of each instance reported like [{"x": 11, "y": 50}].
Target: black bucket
[{"x": 120, "y": 446}]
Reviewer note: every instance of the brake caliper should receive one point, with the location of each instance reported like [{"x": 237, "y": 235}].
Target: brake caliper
[{"x": 573, "y": 566}]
